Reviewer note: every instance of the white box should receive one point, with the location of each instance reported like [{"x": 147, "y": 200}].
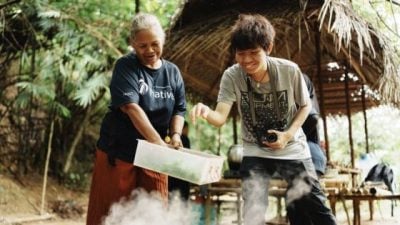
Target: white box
[{"x": 186, "y": 164}]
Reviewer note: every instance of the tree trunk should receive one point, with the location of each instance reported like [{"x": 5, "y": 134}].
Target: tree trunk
[
  {"x": 137, "y": 6},
  {"x": 76, "y": 140},
  {"x": 46, "y": 167}
]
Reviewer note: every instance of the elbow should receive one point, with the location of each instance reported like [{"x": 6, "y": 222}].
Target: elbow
[
  {"x": 128, "y": 107},
  {"x": 218, "y": 123},
  {"x": 308, "y": 107}
]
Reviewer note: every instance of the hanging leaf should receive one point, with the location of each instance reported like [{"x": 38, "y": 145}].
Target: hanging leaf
[
  {"x": 89, "y": 90},
  {"x": 36, "y": 90},
  {"x": 61, "y": 110},
  {"x": 50, "y": 14}
]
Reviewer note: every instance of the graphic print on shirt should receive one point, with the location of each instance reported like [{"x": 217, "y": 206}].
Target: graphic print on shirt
[
  {"x": 157, "y": 98},
  {"x": 143, "y": 87},
  {"x": 264, "y": 110},
  {"x": 156, "y": 92},
  {"x": 162, "y": 93}
]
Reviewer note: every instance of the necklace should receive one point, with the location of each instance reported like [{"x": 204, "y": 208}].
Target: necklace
[{"x": 258, "y": 82}]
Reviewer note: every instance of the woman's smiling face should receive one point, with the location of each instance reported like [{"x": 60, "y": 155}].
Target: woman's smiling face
[{"x": 148, "y": 46}]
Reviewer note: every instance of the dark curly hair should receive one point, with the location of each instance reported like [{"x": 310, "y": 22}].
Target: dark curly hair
[{"x": 251, "y": 31}]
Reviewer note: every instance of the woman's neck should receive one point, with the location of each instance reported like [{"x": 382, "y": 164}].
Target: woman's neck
[{"x": 155, "y": 65}]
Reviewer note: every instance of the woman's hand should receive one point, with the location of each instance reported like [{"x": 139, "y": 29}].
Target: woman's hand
[{"x": 176, "y": 141}]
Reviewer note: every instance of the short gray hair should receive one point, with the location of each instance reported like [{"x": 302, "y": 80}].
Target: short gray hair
[{"x": 145, "y": 21}]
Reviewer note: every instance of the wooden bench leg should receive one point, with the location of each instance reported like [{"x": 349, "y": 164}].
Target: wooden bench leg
[
  {"x": 332, "y": 203},
  {"x": 207, "y": 209},
  {"x": 371, "y": 209},
  {"x": 239, "y": 208},
  {"x": 279, "y": 206},
  {"x": 356, "y": 215}
]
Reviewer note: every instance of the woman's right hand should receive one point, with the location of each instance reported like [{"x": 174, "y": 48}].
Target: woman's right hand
[{"x": 199, "y": 110}]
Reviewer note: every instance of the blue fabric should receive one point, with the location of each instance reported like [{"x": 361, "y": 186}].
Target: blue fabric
[{"x": 318, "y": 157}]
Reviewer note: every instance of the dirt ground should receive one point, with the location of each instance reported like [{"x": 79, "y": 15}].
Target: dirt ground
[{"x": 20, "y": 203}]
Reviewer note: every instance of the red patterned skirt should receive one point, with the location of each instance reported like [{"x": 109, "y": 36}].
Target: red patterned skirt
[{"x": 111, "y": 183}]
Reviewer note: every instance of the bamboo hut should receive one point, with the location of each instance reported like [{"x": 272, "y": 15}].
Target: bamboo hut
[
  {"x": 326, "y": 39},
  {"x": 352, "y": 65}
]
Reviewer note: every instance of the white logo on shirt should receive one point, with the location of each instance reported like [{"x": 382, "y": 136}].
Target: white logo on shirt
[
  {"x": 160, "y": 93},
  {"x": 143, "y": 87}
]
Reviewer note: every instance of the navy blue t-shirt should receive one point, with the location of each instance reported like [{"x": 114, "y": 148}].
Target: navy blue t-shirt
[{"x": 159, "y": 92}]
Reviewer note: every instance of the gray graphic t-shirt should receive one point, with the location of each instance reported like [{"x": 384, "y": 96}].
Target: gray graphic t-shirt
[{"x": 291, "y": 90}]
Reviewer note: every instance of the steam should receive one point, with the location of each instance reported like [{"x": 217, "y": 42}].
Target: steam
[
  {"x": 143, "y": 208},
  {"x": 256, "y": 198},
  {"x": 256, "y": 187},
  {"x": 300, "y": 188}
]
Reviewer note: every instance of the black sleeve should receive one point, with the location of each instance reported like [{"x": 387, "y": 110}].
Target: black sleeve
[
  {"x": 180, "y": 100},
  {"x": 124, "y": 85}
]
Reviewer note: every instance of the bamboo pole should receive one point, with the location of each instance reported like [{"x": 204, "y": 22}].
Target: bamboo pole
[
  {"x": 321, "y": 90},
  {"x": 365, "y": 118},
  {"x": 346, "y": 83},
  {"x": 46, "y": 167}
]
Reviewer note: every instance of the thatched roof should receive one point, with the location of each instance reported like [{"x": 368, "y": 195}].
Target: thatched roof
[{"x": 314, "y": 34}]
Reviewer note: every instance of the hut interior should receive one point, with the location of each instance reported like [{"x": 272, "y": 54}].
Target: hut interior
[{"x": 350, "y": 63}]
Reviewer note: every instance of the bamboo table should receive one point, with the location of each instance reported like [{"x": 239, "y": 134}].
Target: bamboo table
[{"x": 357, "y": 198}]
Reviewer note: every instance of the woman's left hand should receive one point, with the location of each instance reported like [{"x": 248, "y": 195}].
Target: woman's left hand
[{"x": 176, "y": 141}]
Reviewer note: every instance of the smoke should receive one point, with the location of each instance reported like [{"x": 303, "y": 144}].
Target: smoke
[
  {"x": 143, "y": 208},
  {"x": 256, "y": 198},
  {"x": 301, "y": 187},
  {"x": 257, "y": 201}
]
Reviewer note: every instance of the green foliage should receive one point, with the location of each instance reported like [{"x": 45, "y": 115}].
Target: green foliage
[
  {"x": 77, "y": 181},
  {"x": 383, "y": 15},
  {"x": 89, "y": 90},
  {"x": 165, "y": 10},
  {"x": 382, "y": 133},
  {"x": 205, "y": 137},
  {"x": 66, "y": 51},
  {"x": 383, "y": 130}
]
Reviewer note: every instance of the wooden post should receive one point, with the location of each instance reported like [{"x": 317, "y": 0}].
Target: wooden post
[
  {"x": 321, "y": 88},
  {"x": 346, "y": 83},
  {"x": 365, "y": 118}
]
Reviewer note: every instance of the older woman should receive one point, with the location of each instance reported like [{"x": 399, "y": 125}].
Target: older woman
[{"x": 147, "y": 102}]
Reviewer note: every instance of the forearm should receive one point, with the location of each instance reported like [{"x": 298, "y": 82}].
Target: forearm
[
  {"x": 141, "y": 122},
  {"x": 299, "y": 118},
  {"x": 176, "y": 125},
  {"x": 215, "y": 117}
]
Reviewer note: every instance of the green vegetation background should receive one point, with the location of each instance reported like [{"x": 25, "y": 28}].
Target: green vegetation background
[{"x": 61, "y": 61}]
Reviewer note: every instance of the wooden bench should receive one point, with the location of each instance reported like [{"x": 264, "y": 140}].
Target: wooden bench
[{"x": 357, "y": 198}]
